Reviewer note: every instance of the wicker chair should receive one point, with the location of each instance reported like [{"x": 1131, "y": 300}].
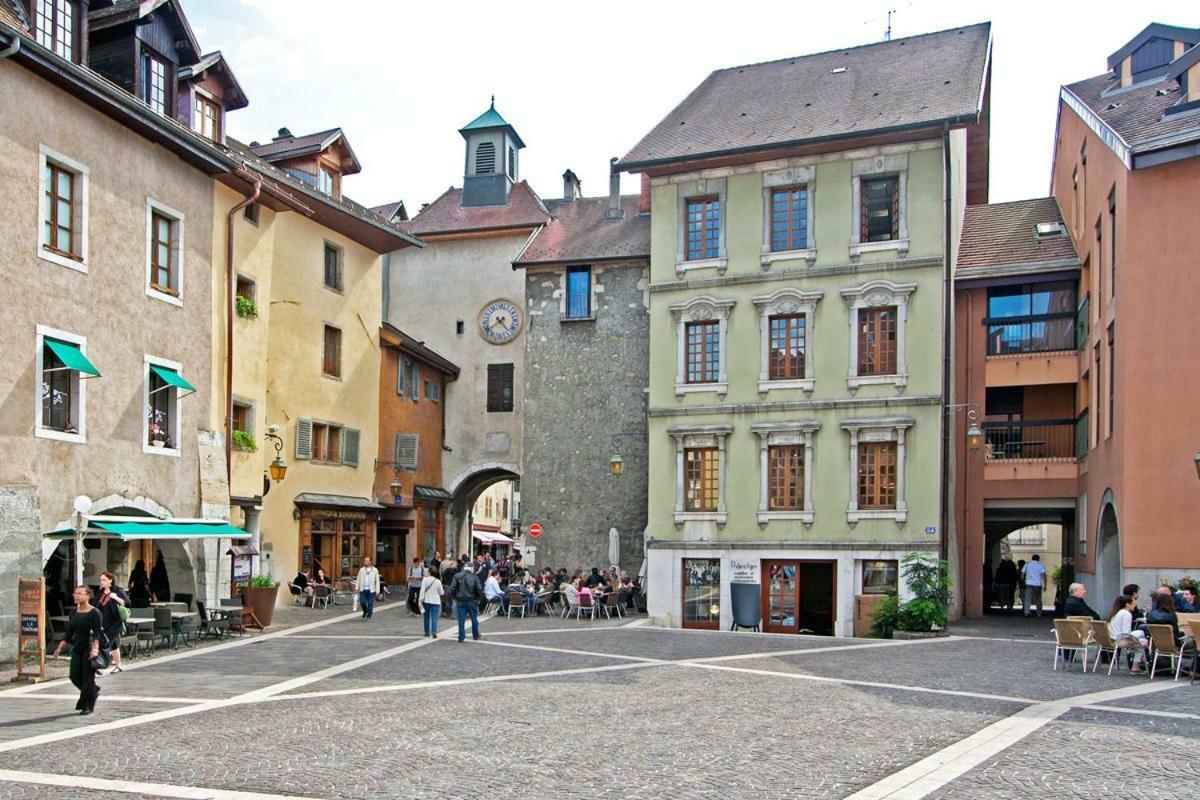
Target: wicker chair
[{"x": 516, "y": 602}]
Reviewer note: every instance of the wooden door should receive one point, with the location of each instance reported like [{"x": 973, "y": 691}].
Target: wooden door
[
  {"x": 390, "y": 552},
  {"x": 799, "y": 596}
]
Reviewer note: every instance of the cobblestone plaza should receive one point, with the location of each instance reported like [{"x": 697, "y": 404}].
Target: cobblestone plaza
[{"x": 341, "y": 708}]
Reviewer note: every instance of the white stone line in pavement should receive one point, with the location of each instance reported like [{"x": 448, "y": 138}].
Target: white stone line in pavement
[
  {"x": 702, "y": 664},
  {"x": 931, "y": 773},
  {"x": 637, "y": 623},
  {"x": 110, "y": 698},
  {"x": 405, "y": 687},
  {"x": 537, "y": 631},
  {"x": 335, "y": 637},
  {"x": 1146, "y": 712},
  {"x": 129, "y": 666},
  {"x": 136, "y": 787},
  {"x": 831, "y": 649},
  {"x": 569, "y": 651}
]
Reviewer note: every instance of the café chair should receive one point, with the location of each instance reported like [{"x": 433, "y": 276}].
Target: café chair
[{"x": 1069, "y": 637}]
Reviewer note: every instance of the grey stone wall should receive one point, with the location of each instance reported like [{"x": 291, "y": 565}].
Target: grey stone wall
[
  {"x": 20, "y": 556},
  {"x": 586, "y": 380}
]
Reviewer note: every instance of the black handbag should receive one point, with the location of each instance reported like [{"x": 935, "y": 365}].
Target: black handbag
[{"x": 101, "y": 661}]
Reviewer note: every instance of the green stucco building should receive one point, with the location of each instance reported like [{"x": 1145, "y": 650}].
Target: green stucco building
[{"x": 801, "y": 213}]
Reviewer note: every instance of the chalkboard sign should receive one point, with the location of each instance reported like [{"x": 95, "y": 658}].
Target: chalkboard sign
[
  {"x": 306, "y": 556},
  {"x": 31, "y": 642},
  {"x": 30, "y": 624}
]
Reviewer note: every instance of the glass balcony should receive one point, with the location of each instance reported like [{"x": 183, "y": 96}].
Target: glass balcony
[{"x": 1041, "y": 333}]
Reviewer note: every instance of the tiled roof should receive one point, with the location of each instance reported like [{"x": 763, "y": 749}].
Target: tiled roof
[
  {"x": 16, "y": 10},
  {"x": 389, "y": 211},
  {"x": 447, "y": 215},
  {"x": 901, "y": 83},
  {"x": 1003, "y": 237},
  {"x": 1138, "y": 113},
  {"x": 580, "y": 232},
  {"x": 288, "y": 146},
  {"x": 390, "y": 334}
]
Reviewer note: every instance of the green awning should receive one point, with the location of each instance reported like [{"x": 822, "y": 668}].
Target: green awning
[
  {"x": 154, "y": 529},
  {"x": 71, "y": 356},
  {"x": 172, "y": 378}
]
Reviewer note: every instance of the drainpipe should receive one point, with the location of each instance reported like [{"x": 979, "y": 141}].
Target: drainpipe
[
  {"x": 947, "y": 300},
  {"x": 229, "y": 312},
  {"x": 12, "y": 48}
]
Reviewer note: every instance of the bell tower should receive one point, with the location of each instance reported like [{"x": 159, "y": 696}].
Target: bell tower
[{"x": 491, "y": 159}]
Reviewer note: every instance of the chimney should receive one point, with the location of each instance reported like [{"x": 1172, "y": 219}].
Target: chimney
[
  {"x": 284, "y": 133},
  {"x": 572, "y": 187},
  {"x": 614, "y": 191},
  {"x": 644, "y": 203}
]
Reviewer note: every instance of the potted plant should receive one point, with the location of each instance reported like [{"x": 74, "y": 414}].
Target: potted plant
[
  {"x": 246, "y": 307},
  {"x": 260, "y": 596},
  {"x": 924, "y": 615},
  {"x": 885, "y": 617},
  {"x": 243, "y": 440}
]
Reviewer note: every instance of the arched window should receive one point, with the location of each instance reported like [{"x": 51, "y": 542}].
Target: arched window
[{"x": 485, "y": 158}]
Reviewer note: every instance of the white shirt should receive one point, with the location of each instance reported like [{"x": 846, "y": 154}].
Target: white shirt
[
  {"x": 1035, "y": 573},
  {"x": 431, "y": 592},
  {"x": 491, "y": 588},
  {"x": 1121, "y": 623},
  {"x": 368, "y": 580}
]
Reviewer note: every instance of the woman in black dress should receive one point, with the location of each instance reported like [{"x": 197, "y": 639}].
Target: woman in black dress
[
  {"x": 110, "y": 602},
  {"x": 139, "y": 582},
  {"x": 86, "y": 629},
  {"x": 160, "y": 584}
]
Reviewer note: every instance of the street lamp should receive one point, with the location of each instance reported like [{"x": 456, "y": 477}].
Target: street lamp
[
  {"x": 616, "y": 464},
  {"x": 974, "y": 433},
  {"x": 278, "y": 466}
]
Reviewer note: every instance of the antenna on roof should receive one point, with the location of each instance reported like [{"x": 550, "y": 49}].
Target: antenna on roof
[
  {"x": 887, "y": 34},
  {"x": 493, "y": 101}
]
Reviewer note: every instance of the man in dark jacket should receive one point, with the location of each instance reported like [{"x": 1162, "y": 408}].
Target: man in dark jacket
[
  {"x": 1006, "y": 582},
  {"x": 1075, "y": 605},
  {"x": 467, "y": 593}
]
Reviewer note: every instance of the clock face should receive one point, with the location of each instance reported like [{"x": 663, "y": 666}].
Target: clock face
[{"x": 500, "y": 321}]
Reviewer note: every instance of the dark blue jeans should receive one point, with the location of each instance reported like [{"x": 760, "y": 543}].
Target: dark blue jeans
[
  {"x": 366, "y": 599},
  {"x": 431, "y": 615},
  {"x": 464, "y": 610}
]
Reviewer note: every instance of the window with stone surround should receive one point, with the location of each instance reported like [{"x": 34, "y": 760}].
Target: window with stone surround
[
  {"x": 703, "y": 351},
  {"x": 703, "y": 227},
  {"x": 702, "y": 221},
  {"x": 877, "y": 475},
  {"x": 785, "y": 470},
  {"x": 879, "y": 205},
  {"x": 700, "y": 472},
  {"x": 878, "y": 321},
  {"x": 789, "y": 218},
  {"x": 701, "y": 478},
  {"x": 877, "y": 478},
  {"x": 701, "y": 326},
  {"x": 62, "y": 235},
  {"x": 164, "y": 252},
  {"x": 785, "y": 339}
]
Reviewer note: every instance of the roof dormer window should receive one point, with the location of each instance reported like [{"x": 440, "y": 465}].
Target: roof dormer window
[
  {"x": 1155, "y": 53},
  {"x": 154, "y": 82},
  {"x": 325, "y": 181},
  {"x": 55, "y": 25},
  {"x": 485, "y": 158},
  {"x": 208, "y": 118}
]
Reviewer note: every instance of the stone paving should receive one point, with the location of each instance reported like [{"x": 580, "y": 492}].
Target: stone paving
[{"x": 548, "y": 708}]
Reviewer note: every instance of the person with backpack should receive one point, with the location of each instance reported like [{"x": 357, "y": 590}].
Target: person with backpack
[
  {"x": 467, "y": 593},
  {"x": 113, "y": 604}
]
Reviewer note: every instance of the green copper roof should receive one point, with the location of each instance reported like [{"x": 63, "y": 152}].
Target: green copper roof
[{"x": 491, "y": 119}]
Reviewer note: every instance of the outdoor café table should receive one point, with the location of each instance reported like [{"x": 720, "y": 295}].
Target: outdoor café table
[
  {"x": 177, "y": 618},
  {"x": 133, "y": 624}
]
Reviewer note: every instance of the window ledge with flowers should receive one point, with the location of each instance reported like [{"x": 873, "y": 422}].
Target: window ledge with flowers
[
  {"x": 246, "y": 307},
  {"x": 244, "y": 442}
]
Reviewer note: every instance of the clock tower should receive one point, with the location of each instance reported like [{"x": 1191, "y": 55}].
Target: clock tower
[{"x": 491, "y": 159}]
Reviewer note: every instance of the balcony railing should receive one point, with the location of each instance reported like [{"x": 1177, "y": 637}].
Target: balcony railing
[
  {"x": 1040, "y": 333},
  {"x": 1082, "y": 320},
  {"x": 1031, "y": 439}
]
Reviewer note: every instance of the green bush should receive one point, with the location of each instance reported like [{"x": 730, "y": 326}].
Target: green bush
[
  {"x": 243, "y": 440},
  {"x": 929, "y": 581},
  {"x": 262, "y": 582},
  {"x": 886, "y": 617},
  {"x": 246, "y": 308}
]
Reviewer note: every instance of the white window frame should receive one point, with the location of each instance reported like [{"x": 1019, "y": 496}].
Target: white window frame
[
  {"x": 694, "y": 436},
  {"x": 324, "y": 176},
  {"x": 701, "y": 309},
  {"x": 883, "y": 165},
  {"x": 704, "y": 187},
  {"x": 47, "y": 154},
  {"x": 799, "y": 432},
  {"x": 781, "y": 179},
  {"x": 153, "y": 206},
  {"x": 79, "y": 387},
  {"x": 874, "y": 294},
  {"x": 883, "y": 429},
  {"x": 785, "y": 301},
  {"x": 177, "y": 422},
  {"x": 197, "y": 92}
]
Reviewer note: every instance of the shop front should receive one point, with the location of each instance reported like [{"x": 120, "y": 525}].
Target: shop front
[{"x": 336, "y": 533}]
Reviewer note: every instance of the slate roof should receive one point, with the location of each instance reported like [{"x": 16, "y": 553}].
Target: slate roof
[
  {"x": 579, "y": 232},
  {"x": 392, "y": 212},
  {"x": 524, "y": 209},
  {"x": 1001, "y": 238},
  {"x": 234, "y": 99},
  {"x": 16, "y": 10},
  {"x": 1137, "y": 114},
  {"x": 919, "y": 80},
  {"x": 289, "y": 146}
]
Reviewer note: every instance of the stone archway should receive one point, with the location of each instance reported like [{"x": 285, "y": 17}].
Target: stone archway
[
  {"x": 466, "y": 488},
  {"x": 1109, "y": 579}
]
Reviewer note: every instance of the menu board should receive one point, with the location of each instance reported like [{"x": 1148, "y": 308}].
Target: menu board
[{"x": 31, "y": 641}]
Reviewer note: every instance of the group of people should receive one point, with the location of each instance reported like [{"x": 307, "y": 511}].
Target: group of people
[
  {"x": 1127, "y": 621},
  {"x": 432, "y": 580},
  {"x": 1027, "y": 579}
]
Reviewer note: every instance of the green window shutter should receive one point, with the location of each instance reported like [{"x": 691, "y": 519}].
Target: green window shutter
[
  {"x": 350, "y": 437},
  {"x": 406, "y": 450},
  {"x": 304, "y": 439}
]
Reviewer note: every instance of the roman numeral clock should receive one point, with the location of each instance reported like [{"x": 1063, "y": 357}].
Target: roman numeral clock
[{"x": 500, "y": 321}]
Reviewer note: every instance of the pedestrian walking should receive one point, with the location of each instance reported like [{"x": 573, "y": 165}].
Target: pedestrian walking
[
  {"x": 1034, "y": 576},
  {"x": 87, "y": 632},
  {"x": 467, "y": 593},
  {"x": 368, "y": 588},
  {"x": 112, "y": 604},
  {"x": 416, "y": 573},
  {"x": 429, "y": 599},
  {"x": 1006, "y": 582}
]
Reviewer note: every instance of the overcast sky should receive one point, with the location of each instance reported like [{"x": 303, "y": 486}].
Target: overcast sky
[{"x": 582, "y": 82}]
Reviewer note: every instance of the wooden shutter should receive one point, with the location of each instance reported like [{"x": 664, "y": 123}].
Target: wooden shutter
[
  {"x": 407, "y": 448},
  {"x": 304, "y": 439},
  {"x": 500, "y": 387},
  {"x": 350, "y": 438}
]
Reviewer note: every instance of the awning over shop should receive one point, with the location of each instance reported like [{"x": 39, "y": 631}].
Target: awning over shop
[
  {"x": 153, "y": 529},
  {"x": 491, "y": 538},
  {"x": 72, "y": 357},
  {"x": 173, "y": 378},
  {"x": 432, "y": 494},
  {"x": 335, "y": 500}
]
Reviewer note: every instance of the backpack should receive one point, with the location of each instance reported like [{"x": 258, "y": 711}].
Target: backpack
[{"x": 465, "y": 587}]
